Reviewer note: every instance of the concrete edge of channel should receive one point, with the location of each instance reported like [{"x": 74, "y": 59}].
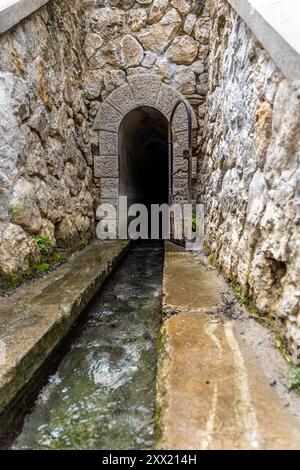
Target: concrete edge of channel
[{"x": 17, "y": 375}]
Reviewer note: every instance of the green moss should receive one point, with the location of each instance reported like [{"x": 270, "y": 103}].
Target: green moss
[
  {"x": 42, "y": 267},
  {"x": 7, "y": 283},
  {"x": 56, "y": 257},
  {"x": 15, "y": 209},
  {"x": 47, "y": 260},
  {"x": 212, "y": 259},
  {"x": 293, "y": 371},
  {"x": 241, "y": 296},
  {"x": 294, "y": 379}
]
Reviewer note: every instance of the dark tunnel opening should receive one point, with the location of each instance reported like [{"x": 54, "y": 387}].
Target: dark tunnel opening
[{"x": 143, "y": 154}]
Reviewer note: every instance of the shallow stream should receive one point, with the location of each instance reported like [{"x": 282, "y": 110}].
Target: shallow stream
[{"x": 103, "y": 393}]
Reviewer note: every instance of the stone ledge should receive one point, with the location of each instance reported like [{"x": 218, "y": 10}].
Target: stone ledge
[
  {"x": 276, "y": 25},
  {"x": 214, "y": 379},
  {"x": 13, "y": 11},
  {"x": 35, "y": 319}
]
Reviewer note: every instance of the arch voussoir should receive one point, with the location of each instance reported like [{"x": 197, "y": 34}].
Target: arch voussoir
[
  {"x": 122, "y": 99},
  {"x": 108, "y": 118},
  {"x": 166, "y": 100}
]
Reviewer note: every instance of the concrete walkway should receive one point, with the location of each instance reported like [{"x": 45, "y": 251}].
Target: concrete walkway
[
  {"x": 212, "y": 390},
  {"x": 38, "y": 316}
]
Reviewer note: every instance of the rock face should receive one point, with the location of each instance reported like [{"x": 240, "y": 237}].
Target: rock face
[
  {"x": 158, "y": 36},
  {"x": 184, "y": 50},
  {"x": 25, "y": 211},
  {"x": 45, "y": 152},
  {"x": 248, "y": 175},
  {"x": 132, "y": 53}
]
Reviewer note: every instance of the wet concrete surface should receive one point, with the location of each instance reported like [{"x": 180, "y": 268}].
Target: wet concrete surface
[{"x": 213, "y": 392}]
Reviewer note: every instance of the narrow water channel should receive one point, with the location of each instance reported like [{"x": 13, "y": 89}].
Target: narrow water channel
[{"x": 103, "y": 393}]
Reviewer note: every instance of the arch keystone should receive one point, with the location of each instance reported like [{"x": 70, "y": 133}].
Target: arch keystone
[{"x": 145, "y": 89}]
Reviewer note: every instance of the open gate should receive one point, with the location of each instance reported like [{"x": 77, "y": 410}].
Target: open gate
[{"x": 186, "y": 155}]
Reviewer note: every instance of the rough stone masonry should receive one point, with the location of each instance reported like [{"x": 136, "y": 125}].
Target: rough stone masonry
[
  {"x": 46, "y": 180},
  {"x": 57, "y": 67},
  {"x": 248, "y": 174}
]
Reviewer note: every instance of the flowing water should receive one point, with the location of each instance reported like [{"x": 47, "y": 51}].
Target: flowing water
[{"x": 103, "y": 393}]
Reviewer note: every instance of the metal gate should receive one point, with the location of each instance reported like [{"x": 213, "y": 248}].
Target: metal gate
[{"x": 186, "y": 155}]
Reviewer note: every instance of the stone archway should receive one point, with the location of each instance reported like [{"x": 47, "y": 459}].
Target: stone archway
[{"x": 141, "y": 91}]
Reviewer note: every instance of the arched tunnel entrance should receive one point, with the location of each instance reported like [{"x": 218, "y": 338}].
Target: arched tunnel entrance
[
  {"x": 143, "y": 157},
  {"x": 143, "y": 153}
]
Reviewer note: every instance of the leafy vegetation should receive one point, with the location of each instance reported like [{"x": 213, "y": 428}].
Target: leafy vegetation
[
  {"x": 195, "y": 223},
  {"x": 42, "y": 267},
  {"x": 45, "y": 244},
  {"x": 48, "y": 258},
  {"x": 294, "y": 379},
  {"x": 56, "y": 257}
]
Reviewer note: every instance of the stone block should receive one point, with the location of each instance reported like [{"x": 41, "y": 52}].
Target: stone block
[
  {"x": 180, "y": 143},
  {"x": 180, "y": 167},
  {"x": 180, "y": 186},
  {"x": 122, "y": 99},
  {"x": 109, "y": 188},
  {"x": 108, "y": 143},
  {"x": 108, "y": 118},
  {"x": 131, "y": 52},
  {"x": 106, "y": 167},
  {"x": 145, "y": 89},
  {"x": 109, "y": 202},
  {"x": 167, "y": 99},
  {"x": 180, "y": 121},
  {"x": 183, "y": 50}
]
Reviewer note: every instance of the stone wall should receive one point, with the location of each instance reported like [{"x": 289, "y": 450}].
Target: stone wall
[
  {"x": 60, "y": 64},
  {"x": 248, "y": 175},
  {"x": 168, "y": 38},
  {"x": 46, "y": 178},
  {"x": 56, "y": 67}
]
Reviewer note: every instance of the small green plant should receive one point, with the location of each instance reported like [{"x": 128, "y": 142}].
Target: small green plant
[
  {"x": 44, "y": 244},
  {"x": 43, "y": 267},
  {"x": 294, "y": 379},
  {"x": 56, "y": 257},
  {"x": 195, "y": 223},
  {"x": 15, "y": 209},
  {"x": 244, "y": 299},
  {"x": 8, "y": 282},
  {"x": 212, "y": 259},
  {"x": 241, "y": 296}
]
